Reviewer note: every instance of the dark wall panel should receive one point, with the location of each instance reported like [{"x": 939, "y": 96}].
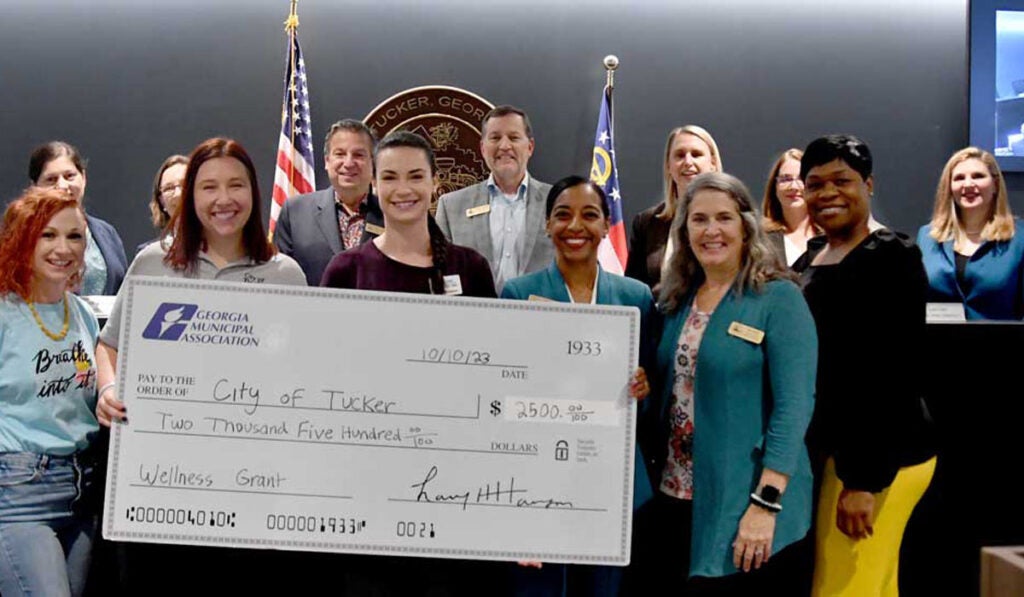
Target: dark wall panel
[{"x": 130, "y": 82}]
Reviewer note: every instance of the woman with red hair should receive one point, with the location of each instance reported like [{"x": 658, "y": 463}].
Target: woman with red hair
[{"x": 47, "y": 397}]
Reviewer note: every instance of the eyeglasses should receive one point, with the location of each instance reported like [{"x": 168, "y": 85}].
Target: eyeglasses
[
  {"x": 170, "y": 190},
  {"x": 783, "y": 181}
]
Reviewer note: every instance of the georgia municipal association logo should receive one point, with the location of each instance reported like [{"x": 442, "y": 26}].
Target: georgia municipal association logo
[
  {"x": 185, "y": 322},
  {"x": 448, "y": 117},
  {"x": 169, "y": 321}
]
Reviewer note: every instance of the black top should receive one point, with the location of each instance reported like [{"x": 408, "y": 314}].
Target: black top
[
  {"x": 365, "y": 267},
  {"x": 961, "y": 269},
  {"x": 647, "y": 240},
  {"x": 870, "y": 313}
]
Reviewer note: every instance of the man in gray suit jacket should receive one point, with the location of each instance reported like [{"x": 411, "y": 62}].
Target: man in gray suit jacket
[
  {"x": 503, "y": 217},
  {"x": 314, "y": 227}
]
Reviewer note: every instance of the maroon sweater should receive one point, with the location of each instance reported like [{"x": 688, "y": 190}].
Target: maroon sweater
[{"x": 366, "y": 268}]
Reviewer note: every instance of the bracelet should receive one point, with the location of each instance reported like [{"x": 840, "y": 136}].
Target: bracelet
[
  {"x": 105, "y": 388},
  {"x": 759, "y": 501}
]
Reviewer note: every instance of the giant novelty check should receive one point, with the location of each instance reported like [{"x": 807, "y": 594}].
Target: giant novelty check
[{"x": 327, "y": 420}]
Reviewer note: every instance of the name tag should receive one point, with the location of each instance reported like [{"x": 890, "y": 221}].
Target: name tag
[
  {"x": 537, "y": 297},
  {"x": 476, "y": 211},
  {"x": 452, "y": 284},
  {"x": 374, "y": 229},
  {"x": 745, "y": 332},
  {"x": 945, "y": 313}
]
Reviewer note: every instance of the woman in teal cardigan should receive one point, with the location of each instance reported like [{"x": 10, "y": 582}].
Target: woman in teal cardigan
[
  {"x": 577, "y": 221},
  {"x": 736, "y": 367}
]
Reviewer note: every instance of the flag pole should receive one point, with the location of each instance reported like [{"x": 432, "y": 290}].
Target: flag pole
[
  {"x": 292, "y": 23},
  {"x": 612, "y": 251},
  {"x": 611, "y": 62},
  {"x": 294, "y": 171},
  {"x": 291, "y": 27}
]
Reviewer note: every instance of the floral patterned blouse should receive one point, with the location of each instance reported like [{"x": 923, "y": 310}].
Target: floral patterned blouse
[{"x": 677, "y": 477}]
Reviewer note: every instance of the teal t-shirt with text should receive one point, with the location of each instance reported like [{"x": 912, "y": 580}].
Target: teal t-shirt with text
[{"x": 47, "y": 387}]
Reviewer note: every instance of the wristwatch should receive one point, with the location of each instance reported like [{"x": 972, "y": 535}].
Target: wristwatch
[
  {"x": 770, "y": 494},
  {"x": 768, "y": 499}
]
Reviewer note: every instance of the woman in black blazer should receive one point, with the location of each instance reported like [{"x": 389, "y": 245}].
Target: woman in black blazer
[
  {"x": 59, "y": 165},
  {"x": 690, "y": 150},
  {"x": 784, "y": 214}
]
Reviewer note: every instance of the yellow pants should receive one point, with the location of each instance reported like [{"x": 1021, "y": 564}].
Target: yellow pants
[{"x": 865, "y": 567}]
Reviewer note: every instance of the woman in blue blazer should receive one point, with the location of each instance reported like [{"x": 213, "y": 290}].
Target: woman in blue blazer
[
  {"x": 59, "y": 165},
  {"x": 735, "y": 376},
  {"x": 970, "y": 251},
  {"x": 577, "y": 221}
]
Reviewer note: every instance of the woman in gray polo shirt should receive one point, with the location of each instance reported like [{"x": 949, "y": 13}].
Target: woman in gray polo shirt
[{"x": 218, "y": 235}]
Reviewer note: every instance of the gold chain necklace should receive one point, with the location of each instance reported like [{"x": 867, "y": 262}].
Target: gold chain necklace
[{"x": 63, "y": 331}]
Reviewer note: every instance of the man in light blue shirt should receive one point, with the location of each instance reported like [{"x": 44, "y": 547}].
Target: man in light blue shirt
[{"x": 502, "y": 218}]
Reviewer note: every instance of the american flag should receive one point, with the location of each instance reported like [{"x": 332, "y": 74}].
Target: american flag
[
  {"x": 612, "y": 252},
  {"x": 294, "y": 174}
]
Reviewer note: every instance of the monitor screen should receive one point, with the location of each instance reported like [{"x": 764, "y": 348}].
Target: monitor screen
[
  {"x": 1009, "y": 135},
  {"x": 997, "y": 80}
]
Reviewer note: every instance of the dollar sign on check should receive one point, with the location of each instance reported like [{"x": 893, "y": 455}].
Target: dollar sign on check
[{"x": 495, "y": 407}]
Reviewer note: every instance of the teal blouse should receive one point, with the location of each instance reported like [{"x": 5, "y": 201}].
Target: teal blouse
[{"x": 611, "y": 290}]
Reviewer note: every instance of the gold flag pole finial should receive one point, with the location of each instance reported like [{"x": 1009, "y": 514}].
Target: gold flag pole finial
[
  {"x": 611, "y": 62},
  {"x": 292, "y": 23}
]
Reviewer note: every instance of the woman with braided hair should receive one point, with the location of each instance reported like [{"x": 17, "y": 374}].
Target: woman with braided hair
[{"x": 412, "y": 255}]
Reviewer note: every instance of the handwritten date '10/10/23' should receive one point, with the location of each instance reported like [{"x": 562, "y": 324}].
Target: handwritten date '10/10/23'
[
  {"x": 455, "y": 356},
  {"x": 463, "y": 356}
]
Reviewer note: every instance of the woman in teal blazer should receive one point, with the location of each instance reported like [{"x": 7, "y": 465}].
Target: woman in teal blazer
[
  {"x": 577, "y": 221},
  {"x": 735, "y": 370}
]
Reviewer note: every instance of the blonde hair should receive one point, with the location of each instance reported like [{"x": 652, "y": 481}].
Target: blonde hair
[
  {"x": 946, "y": 224},
  {"x": 669, "y": 191},
  {"x": 759, "y": 263},
  {"x": 772, "y": 219}
]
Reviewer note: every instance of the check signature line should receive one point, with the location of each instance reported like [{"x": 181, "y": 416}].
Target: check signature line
[
  {"x": 319, "y": 443},
  {"x": 312, "y": 408},
  {"x": 482, "y": 505},
  {"x": 309, "y": 495},
  {"x": 500, "y": 366}
]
